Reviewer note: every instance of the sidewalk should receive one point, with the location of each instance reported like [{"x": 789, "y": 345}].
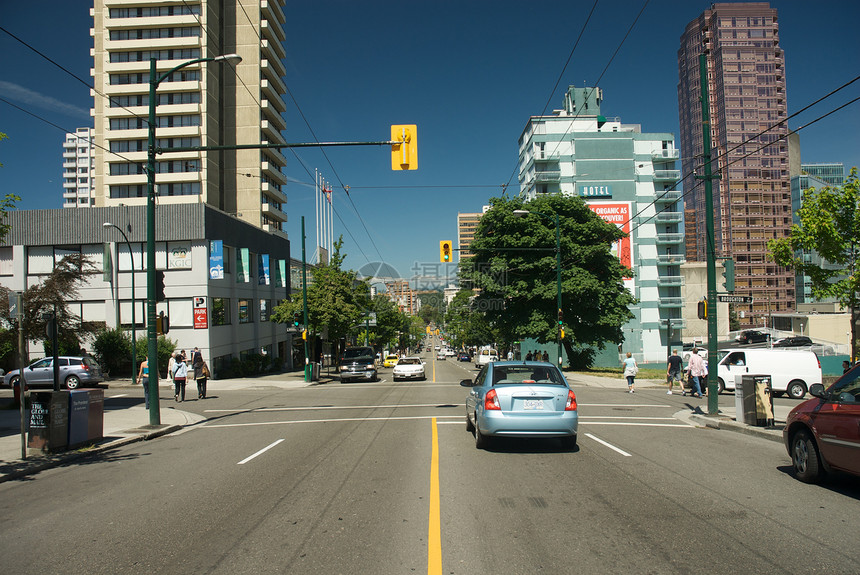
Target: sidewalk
[
  {"x": 694, "y": 414},
  {"x": 125, "y": 421}
]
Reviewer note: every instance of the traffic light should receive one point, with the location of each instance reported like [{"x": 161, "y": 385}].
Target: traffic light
[
  {"x": 703, "y": 309},
  {"x": 159, "y": 286},
  {"x": 162, "y": 323},
  {"x": 404, "y": 153},
  {"x": 729, "y": 274},
  {"x": 297, "y": 319},
  {"x": 560, "y": 317},
  {"x": 445, "y": 251}
]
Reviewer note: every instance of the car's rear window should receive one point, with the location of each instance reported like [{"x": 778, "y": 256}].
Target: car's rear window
[
  {"x": 525, "y": 375},
  {"x": 409, "y": 361},
  {"x": 357, "y": 352}
]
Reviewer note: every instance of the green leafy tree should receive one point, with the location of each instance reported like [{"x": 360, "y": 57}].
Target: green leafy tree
[
  {"x": 389, "y": 321},
  {"x": 465, "y": 325},
  {"x": 112, "y": 349},
  {"x": 829, "y": 225},
  {"x": 165, "y": 349},
  {"x": 515, "y": 268},
  {"x": 337, "y": 299}
]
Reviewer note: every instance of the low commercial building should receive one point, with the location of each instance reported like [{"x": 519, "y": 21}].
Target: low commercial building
[{"x": 222, "y": 276}]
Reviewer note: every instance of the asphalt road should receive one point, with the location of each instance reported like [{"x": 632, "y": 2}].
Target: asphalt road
[{"x": 383, "y": 478}]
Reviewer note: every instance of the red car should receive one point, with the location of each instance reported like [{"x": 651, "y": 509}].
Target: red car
[{"x": 822, "y": 434}]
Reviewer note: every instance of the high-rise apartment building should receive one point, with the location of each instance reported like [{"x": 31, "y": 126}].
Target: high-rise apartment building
[
  {"x": 467, "y": 223},
  {"x": 78, "y": 162},
  {"x": 628, "y": 178},
  {"x": 752, "y": 197},
  {"x": 205, "y": 104}
]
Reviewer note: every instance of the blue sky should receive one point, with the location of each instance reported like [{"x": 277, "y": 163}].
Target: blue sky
[{"x": 468, "y": 73}]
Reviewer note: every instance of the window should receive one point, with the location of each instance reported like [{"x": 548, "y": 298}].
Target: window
[
  {"x": 264, "y": 310},
  {"x": 221, "y": 311},
  {"x": 246, "y": 313}
]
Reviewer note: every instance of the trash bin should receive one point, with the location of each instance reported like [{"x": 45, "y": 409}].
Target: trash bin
[
  {"x": 745, "y": 400},
  {"x": 49, "y": 421},
  {"x": 315, "y": 371}
]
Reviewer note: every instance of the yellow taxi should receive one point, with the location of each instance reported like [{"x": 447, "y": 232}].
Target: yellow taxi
[{"x": 390, "y": 360}]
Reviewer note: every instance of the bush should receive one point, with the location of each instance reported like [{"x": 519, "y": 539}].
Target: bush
[
  {"x": 112, "y": 349},
  {"x": 166, "y": 347}
]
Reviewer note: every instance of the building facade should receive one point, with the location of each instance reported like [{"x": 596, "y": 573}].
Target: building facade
[
  {"x": 831, "y": 174},
  {"x": 752, "y": 197},
  {"x": 222, "y": 276},
  {"x": 78, "y": 164},
  {"x": 628, "y": 178},
  {"x": 204, "y": 104},
  {"x": 467, "y": 223}
]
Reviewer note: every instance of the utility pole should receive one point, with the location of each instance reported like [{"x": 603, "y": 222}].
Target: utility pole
[
  {"x": 305, "y": 305},
  {"x": 710, "y": 246}
]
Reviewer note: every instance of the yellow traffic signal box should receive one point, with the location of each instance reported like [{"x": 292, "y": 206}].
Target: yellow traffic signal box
[
  {"x": 445, "y": 251},
  {"x": 404, "y": 153}
]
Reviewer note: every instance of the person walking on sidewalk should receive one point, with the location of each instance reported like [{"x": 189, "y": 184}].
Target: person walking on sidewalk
[
  {"x": 630, "y": 371},
  {"x": 201, "y": 374},
  {"x": 143, "y": 379},
  {"x": 673, "y": 371},
  {"x": 180, "y": 373},
  {"x": 696, "y": 369},
  {"x": 171, "y": 365}
]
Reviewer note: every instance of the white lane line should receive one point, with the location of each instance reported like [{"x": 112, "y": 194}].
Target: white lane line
[
  {"x": 115, "y": 396},
  {"x": 609, "y": 445},
  {"x": 623, "y": 404},
  {"x": 261, "y": 452},
  {"x": 330, "y": 407},
  {"x": 259, "y": 423},
  {"x": 634, "y": 424}
]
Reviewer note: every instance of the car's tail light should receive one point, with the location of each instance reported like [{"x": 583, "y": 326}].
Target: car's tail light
[
  {"x": 571, "y": 401},
  {"x": 491, "y": 400}
]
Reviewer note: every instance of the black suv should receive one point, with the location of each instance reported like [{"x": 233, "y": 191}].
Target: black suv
[
  {"x": 357, "y": 363},
  {"x": 793, "y": 341},
  {"x": 752, "y": 336}
]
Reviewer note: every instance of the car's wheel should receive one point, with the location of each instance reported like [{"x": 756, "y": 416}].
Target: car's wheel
[
  {"x": 796, "y": 389},
  {"x": 469, "y": 427},
  {"x": 805, "y": 458},
  {"x": 721, "y": 385},
  {"x": 481, "y": 441},
  {"x": 73, "y": 382},
  {"x": 14, "y": 381}
]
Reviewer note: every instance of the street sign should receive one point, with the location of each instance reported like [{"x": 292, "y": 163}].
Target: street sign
[{"x": 735, "y": 298}]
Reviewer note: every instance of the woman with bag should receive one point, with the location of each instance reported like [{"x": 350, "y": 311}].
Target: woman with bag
[
  {"x": 180, "y": 373},
  {"x": 630, "y": 371},
  {"x": 201, "y": 374}
]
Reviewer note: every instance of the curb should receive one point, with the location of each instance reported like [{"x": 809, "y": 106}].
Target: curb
[
  {"x": 55, "y": 460},
  {"x": 731, "y": 425}
]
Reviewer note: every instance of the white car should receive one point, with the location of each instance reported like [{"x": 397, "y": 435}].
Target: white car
[
  {"x": 450, "y": 352},
  {"x": 409, "y": 368},
  {"x": 486, "y": 356}
]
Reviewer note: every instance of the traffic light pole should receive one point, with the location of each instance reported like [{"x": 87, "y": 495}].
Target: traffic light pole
[
  {"x": 710, "y": 247},
  {"x": 305, "y": 304}
]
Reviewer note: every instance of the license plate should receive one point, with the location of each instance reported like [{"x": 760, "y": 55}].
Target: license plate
[{"x": 533, "y": 404}]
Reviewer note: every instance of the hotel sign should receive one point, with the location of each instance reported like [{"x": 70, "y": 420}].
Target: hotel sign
[{"x": 595, "y": 191}]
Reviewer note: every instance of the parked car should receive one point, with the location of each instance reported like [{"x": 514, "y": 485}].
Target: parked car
[
  {"x": 528, "y": 399},
  {"x": 791, "y": 371},
  {"x": 485, "y": 356},
  {"x": 793, "y": 341},
  {"x": 75, "y": 372},
  {"x": 822, "y": 434},
  {"x": 390, "y": 360},
  {"x": 409, "y": 368},
  {"x": 752, "y": 336},
  {"x": 357, "y": 363},
  {"x": 464, "y": 356}
]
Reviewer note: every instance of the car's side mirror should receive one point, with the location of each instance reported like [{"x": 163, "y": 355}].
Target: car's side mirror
[
  {"x": 817, "y": 390},
  {"x": 467, "y": 383}
]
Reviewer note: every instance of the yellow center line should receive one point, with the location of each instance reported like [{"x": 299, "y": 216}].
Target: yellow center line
[{"x": 434, "y": 531}]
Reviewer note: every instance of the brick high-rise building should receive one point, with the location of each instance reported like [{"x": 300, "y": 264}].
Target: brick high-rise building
[{"x": 752, "y": 198}]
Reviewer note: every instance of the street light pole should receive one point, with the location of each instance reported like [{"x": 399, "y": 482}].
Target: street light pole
[
  {"x": 133, "y": 301},
  {"x": 554, "y": 218},
  {"x": 151, "y": 335}
]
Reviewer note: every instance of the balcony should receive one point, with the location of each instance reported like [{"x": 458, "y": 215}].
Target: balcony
[
  {"x": 664, "y": 155},
  {"x": 668, "y": 196},
  {"x": 666, "y": 239},
  {"x": 274, "y": 212},
  {"x": 667, "y": 175},
  {"x": 553, "y": 176},
  {"x": 670, "y": 281},
  {"x": 670, "y": 302},
  {"x": 671, "y": 259},
  {"x": 669, "y": 217},
  {"x": 677, "y": 322}
]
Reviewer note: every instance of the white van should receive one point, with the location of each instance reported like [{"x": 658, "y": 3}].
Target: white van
[
  {"x": 485, "y": 356},
  {"x": 791, "y": 371}
]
